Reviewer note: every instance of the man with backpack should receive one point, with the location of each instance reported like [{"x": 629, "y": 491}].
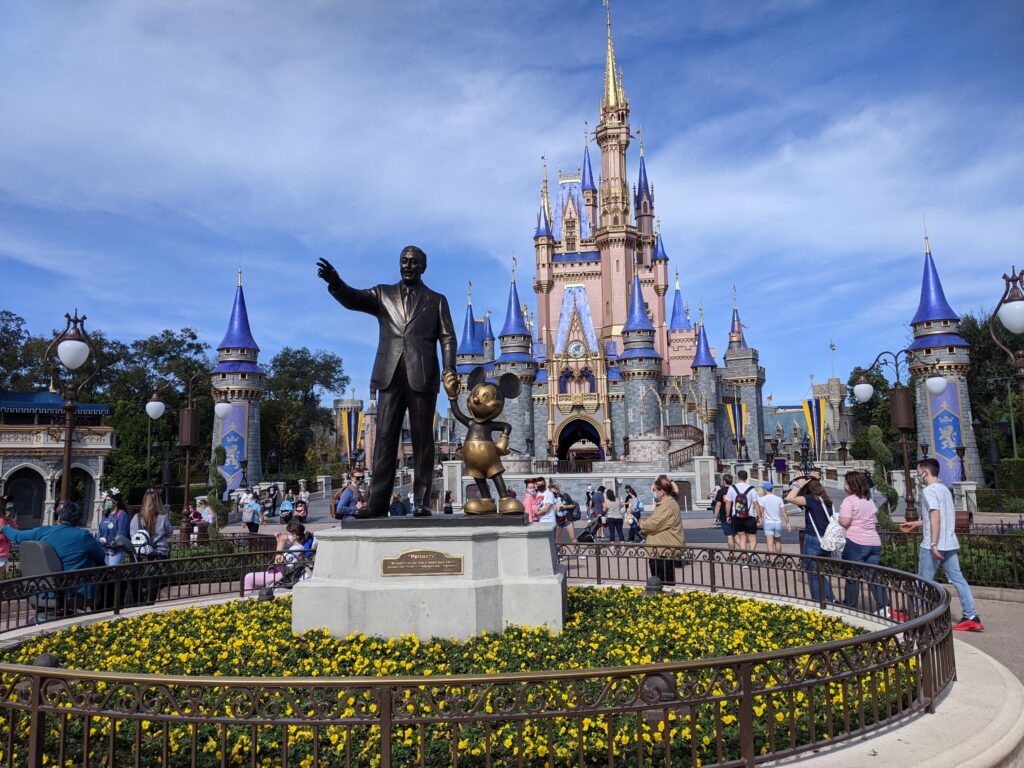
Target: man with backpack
[{"x": 740, "y": 513}]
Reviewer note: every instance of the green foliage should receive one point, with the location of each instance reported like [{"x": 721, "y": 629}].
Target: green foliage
[
  {"x": 869, "y": 443},
  {"x": 989, "y": 501},
  {"x": 985, "y": 560},
  {"x": 1011, "y": 476}
]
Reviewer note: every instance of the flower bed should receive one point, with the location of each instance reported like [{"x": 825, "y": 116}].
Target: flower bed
[{"x": 594, "y": 715}]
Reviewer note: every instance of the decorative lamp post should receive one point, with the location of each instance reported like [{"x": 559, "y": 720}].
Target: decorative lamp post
[
  {"x": 73, "y": 346},
  {"x": 924, "y": 450},
  {"x": 244, "y": 464},
  {"x": 843, "y": 453},
  {"x": 154, "y": 409},
  {"x": 188, "y": 423},
  {"x": 805, "y": 452},
  {"x": 1010, "y": 312},
  {"x": 961, "y": 451},
  {"x": 901, "y": 412},
  {"x": 274, "y": 458}
]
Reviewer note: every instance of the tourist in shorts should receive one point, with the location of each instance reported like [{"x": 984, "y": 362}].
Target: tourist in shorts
[
  {"x": 739, "y": 510},
  {"x": 772, "y": 516},
  {"x": 719, "y": 506}
]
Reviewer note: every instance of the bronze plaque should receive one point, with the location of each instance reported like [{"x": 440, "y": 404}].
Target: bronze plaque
[{"x": 422, "y": 562}]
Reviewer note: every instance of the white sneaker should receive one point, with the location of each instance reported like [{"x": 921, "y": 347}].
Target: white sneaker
[{"x": 884, "y": 613}]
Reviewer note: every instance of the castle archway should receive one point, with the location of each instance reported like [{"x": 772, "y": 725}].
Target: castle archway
[
  {"x": 579, "y": 438},
  {"x": 27, "y": 488}
]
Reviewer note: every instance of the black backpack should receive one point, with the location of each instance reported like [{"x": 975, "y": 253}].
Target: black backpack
[{"x": 741, "y": 504}]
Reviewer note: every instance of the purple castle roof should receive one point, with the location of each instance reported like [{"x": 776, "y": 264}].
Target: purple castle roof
[
  {"x": 514, "y": 325},
  {"x": 637, "y": 319},
  {"x": 933, "y": 305},
  {"x": 703, "y": 358},
  {"x": 679, "y": 321},
  {"x": 238, "y": 336},
  {"x": 588, "y": 175}
]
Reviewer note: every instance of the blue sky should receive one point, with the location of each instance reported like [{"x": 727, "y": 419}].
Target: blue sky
[{"x": 148, "y": 150}]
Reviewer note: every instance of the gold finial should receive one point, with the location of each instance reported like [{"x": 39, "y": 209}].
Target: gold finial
[
  {"x": 611, "y": 87},
  {"x": 702, "y": 313},
  {"x": 677, "y": 279},
  {"x": 639, "y": 135},
  {"x": 239, "y": 277},
  {"x": 469, "y": 291},
  {"x": 927, "y": 245},
  {"x": 544, "y": 199}
]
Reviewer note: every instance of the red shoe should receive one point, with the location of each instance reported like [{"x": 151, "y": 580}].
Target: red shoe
[
  {"x": 970, "y": 625},
  {"x": 899, "y": 616}
]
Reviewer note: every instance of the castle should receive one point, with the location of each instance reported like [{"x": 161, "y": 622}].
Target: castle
[{"x": 605, "y": 359}]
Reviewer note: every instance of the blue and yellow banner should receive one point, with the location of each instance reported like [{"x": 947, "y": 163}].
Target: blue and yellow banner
[
  {"x": 814, "y": 415},
  {"x": 351, "y": 431},
  {"x": 737, "y": 419},
  {"x": 944, "y": 424}
]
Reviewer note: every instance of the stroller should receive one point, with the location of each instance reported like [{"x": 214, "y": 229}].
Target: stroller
[
  {"x": 586, "y": 536},
  {"x": 300, "y": 513},
  {"x": 267, "y": 507},
  {"x": 287, "y": 510}
]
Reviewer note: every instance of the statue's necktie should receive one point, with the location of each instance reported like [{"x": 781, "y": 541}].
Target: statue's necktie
[{"x": 410, "y": 299}]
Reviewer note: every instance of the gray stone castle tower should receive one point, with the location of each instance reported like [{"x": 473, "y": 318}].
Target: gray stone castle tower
[
  {"x": 239, "y": 380},
  {"x": 944, "y": 422}
]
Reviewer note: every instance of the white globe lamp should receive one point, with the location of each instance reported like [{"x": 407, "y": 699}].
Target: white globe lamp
[
  {"x": 155, "y": 407},
  {"x": 1011, "y": 315},
  {"x": 222, "y": 409},
  {"x": 936, "y": 384},
  {"x": 73, "y": 353},
  {"x": 863, "y": 391}
]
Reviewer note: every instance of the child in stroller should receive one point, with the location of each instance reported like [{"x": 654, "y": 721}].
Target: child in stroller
[
  {"x": 266, "y": 505},
  {"x": 287, "y": 510},
  {"x": 300, "y": 513}
]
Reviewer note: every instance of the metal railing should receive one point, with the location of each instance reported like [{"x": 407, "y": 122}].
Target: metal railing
[
  {"x": 991, "y": 559},
  {"x": 723, "y": 711}
]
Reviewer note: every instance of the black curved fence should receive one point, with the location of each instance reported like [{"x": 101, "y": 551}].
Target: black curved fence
[{"x": 734, "y": 711}]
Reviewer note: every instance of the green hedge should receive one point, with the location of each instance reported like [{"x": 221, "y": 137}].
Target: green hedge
[
  {"x": 992, "y": 561},
  {"x": 988, "y": 501}
]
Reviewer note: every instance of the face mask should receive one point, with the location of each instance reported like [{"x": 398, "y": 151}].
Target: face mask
[{"x": 108, "y": 506}]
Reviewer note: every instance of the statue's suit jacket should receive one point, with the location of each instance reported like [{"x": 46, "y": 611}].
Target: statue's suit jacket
[{"x": 413, "y": 337}]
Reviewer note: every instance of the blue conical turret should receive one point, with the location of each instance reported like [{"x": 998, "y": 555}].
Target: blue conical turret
[
  {"x": 238, "y": 336},
  {"x": 643, "y": 188},
  {"x": 588, "y": 174},
  {"x": 543, "y": 225},
  {"x": 467, "y": 343},
  {"x": 637, "y": 320},
  {"x": 659, "y": 249},
  {"x": 736, "y": 340},
  {"x": 514, "y": 325},
  {"x": 703, "y": 358},
  {"x": 933, "y": 305},
  {"x": 680, "y": 321},
  {"x": 488, "y": 332}
]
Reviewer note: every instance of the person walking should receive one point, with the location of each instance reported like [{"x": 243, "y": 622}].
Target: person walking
[
  {"x": 859, "y": 516},
  {"x": 615, "y": 514},
  {"x": 939, "y": 545},
  {"x": 116, "y": 521},
  {"x": 664, "y": 531},
  {"x": 564, "y": 506},
  {"x": 720, "y": 508},
  {"x": 739, "y": 511},
  {"x": 448, "y": 508},
  {"x": 634, "y": 510},
  {"x": 6, "y": 518},
  {"x": 599, "y": 504},
  {"x": 273, "y": 497},
  {"x": 545, "y": 502},
  {"x": 156, "y": 525},
  {"x": 809, "y": 494},
  {"x": 772, "y": 515},
  {"x": 350, "y": 501}
]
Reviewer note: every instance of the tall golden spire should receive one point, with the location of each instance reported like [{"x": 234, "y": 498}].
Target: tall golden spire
[
  {"x": 927, "y": 245},
  {"x": 612, "y": 87},
  {"x": 544, "y": 192}
]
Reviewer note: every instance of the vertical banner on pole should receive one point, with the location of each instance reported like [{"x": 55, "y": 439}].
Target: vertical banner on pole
[
  {"x": 232, "y": 437},
  {"x": 944, "y": 424},
  {"x": 814, "y": 416}
]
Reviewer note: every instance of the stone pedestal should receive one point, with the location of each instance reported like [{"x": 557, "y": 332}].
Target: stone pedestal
[
  {"x": 432, "y": 577},
  {"x": 323, "y": 482},
  {"x": 703, "y": 480}
]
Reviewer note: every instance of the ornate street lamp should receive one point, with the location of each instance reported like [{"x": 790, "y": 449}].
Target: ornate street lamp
[
  {"x": 73, "y": 346},
  {"x": 901, "y": 414},
  {"x": 805, "y": 452},
  {"x": 274, "y": 458},
  {"x": 1010, "y": 312},
  {"x": 244, "y": 464},
  {"x": 961, "y": 451},
  {"x": 188, "y": 422}
]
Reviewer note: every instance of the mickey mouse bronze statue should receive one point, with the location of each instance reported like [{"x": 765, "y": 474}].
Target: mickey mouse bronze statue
[{"x": 479, "y": 451}]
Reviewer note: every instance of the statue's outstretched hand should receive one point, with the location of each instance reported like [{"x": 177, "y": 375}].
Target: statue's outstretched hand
[
  {"x": 451, "y": 384},
  {"x": 326, "y": 272}
]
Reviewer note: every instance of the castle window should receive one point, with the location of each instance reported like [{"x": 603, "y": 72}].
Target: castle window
[
  {"x": 244, "y": 376},
  {"x": 928, "y": 324},
  {"x": 950, "y": 350},
  {"x": 615, "y": 220},
  {"x": 616, "y": 265}
]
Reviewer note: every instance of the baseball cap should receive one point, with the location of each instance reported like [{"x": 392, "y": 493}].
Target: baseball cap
[{"x": 767, "y": 486}]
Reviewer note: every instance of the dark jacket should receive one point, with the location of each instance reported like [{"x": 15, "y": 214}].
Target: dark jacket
[{"x": 413, "y": 338}]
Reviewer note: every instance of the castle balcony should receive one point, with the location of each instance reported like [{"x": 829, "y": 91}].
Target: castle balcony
[{"x": 41, "y": 440}]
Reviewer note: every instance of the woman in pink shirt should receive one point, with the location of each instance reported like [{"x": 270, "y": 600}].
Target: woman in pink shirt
[
  {"x": 859, "y": 516},
  {"x": 530, "y": 501}
]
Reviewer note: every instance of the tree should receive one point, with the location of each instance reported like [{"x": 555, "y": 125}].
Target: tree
[
  {"x": 291, "y": 415},
  {"x": 875, "y": 412}
]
